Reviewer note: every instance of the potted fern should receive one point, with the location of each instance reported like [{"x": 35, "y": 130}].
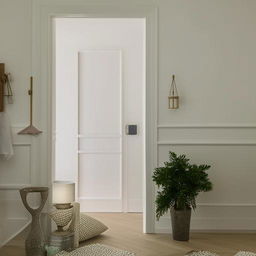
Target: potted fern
[{"x": 179, "y": 184}]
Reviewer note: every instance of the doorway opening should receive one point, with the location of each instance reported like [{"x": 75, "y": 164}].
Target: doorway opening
[{"x": 99, "y": 107}]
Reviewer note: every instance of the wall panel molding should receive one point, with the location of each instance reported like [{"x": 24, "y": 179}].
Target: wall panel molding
[
  {"x": 13, "y": 215},
  {"x": 217, "y": 217},
  {"x": 19, "y": 141},
  {"x": 99, "y": 152},
  {"x": 207, "y": 135},
  {"x": 210, "y": 143},
  {"x": 216, "y": 126},
  {"x": 99, "y": 136},
  {"x": 222, "y": 209},
  {"x": 99, "y": 198},
  {"x": 212, "y": 224},
  {"x": 13, "y": 186},
  {"x": 226, "y": 205}
]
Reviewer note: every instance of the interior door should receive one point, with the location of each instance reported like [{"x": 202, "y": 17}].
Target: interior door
[
  {"x": 100, "y": 89},
  {"x": 100, "y": 130}
]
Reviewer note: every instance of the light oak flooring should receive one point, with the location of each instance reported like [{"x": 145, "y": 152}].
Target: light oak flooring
[{"x": 125, "y": 232}]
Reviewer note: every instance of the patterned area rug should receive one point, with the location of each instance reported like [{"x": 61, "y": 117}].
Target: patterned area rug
[
  {"x": 96, "y": 250},
  {"x": 206, "y": 253}
]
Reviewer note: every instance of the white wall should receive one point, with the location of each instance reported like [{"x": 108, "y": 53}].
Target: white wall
[
  {"x": 74, "y": 38},
  {"x": 23, "y": 168},
  {"x": 210, "y": 46}
]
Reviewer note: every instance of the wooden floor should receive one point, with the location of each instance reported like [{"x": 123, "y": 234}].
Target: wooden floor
[{"x": 125, "y": 232}]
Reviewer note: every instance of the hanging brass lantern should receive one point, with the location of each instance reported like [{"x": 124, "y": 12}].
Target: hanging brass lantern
[{"x": 173, "y": 95}]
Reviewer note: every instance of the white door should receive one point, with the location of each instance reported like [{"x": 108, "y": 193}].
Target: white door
[{"x": 100, "y": 74}]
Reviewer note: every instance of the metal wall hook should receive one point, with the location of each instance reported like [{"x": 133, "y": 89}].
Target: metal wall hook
[
  {"x": 7, "y": 81},
  {"x": 5, "y": 87}
]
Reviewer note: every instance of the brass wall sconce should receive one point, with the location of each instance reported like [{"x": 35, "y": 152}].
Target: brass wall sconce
[{"x": 173, "y": 95}]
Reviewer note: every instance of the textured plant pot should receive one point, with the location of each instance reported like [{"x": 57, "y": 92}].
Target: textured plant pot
[{"x": 180, "y": 224}]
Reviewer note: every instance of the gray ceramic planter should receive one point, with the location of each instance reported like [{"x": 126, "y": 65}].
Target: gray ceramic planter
[{"x": 180, "y": 224}]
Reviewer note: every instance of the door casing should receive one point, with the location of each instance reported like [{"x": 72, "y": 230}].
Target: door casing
[{"x": 42, "y": 65}]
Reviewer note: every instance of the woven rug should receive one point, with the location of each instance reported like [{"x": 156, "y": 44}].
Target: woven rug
[
  {"x": 206, "y": 253},
  {"x": 96, "y": 250}
]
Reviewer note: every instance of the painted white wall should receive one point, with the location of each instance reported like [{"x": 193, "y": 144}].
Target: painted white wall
[
  {"x": 210, "y": 46},
  {"x": 74, "y": 40},
  {"x": 24, "y": 168}
]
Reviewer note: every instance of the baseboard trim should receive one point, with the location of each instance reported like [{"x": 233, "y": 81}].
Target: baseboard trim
[
  {"x": 212, "y": 225},
  {"x": 15, "y": 234},
  {"x": 230, "y": 231}
]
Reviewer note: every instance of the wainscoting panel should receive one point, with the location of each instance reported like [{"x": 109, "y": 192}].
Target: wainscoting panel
[
  {"x": 206, "y": 135},
  {"x": 17, "y": 169},
  {"x": 230, "y": 151},
  {"x": 15, "y": 174},
  {"x": 101, "y": 175}
]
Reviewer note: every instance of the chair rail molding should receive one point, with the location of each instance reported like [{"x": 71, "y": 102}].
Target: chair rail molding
[
  {"x": 171, "y": 126},
  {"x": 13, "y": 186},
  {"x": 217, "y": 143}
]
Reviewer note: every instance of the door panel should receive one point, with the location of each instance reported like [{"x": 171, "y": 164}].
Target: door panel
[
  {"x": 100, "y": 130},
  {"x": 100, "y": 92},
  {"x": 101, "y": 175},
  {"x": 93, "y": 107}
]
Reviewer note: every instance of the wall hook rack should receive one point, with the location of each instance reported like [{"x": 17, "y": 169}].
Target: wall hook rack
[
  {"x": 30, "y": 130},
  {"x": 7, "y": 81},
  {"x": 1, "y": 87},
  {"x": 5, "y": 87}
]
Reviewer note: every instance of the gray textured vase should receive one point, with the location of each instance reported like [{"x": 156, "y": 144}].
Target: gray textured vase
[
  {"x": 35, "y": 242},
  {"x": 180, "y": 224}
]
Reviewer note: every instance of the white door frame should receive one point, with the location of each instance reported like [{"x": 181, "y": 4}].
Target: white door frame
[{"x": 42, "y": 63}]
